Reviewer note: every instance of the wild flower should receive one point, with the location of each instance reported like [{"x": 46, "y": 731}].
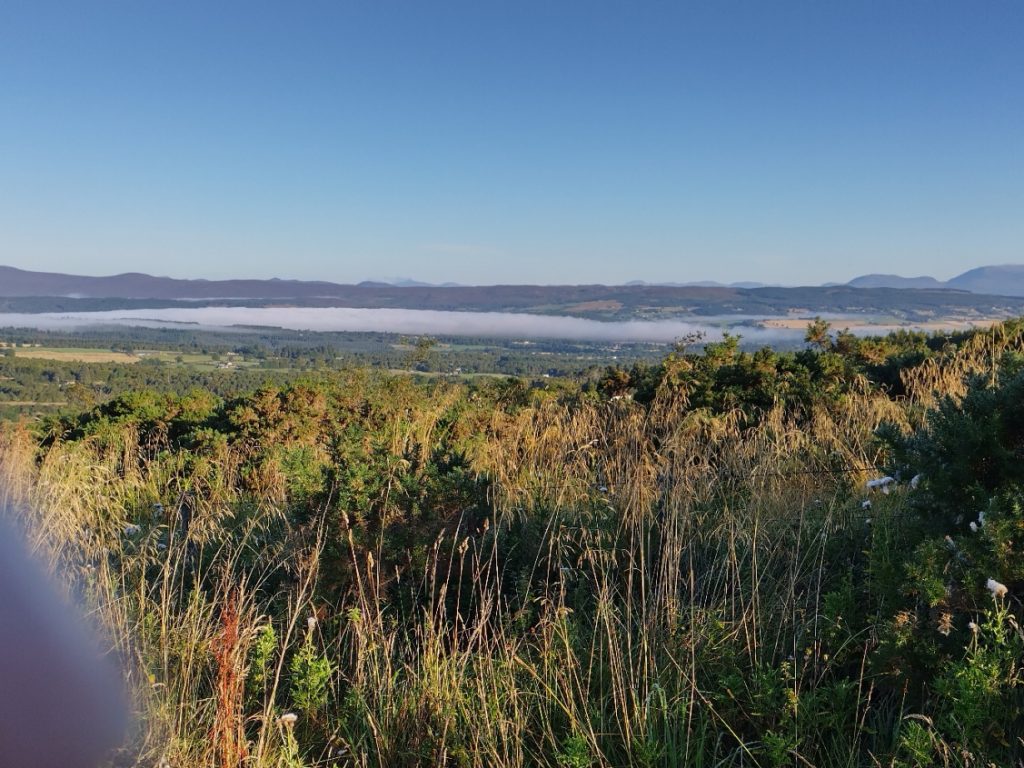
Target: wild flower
[
  {"x": 866, "y": 504},
  {"x": 311, "y": 623},
  {"x": 881, "y": 482},
  {"x": 973, "y": 627},
  {"x": 288, "y": 719},
  {"x": 981, "y": 518},
  {"x": 996, "y": 588},
  {"x": 945, "y": 623},
  {"x": 914, "y": 482},
  {"x": 131, "y": 529},
  {"x": 974, "y": 527}
]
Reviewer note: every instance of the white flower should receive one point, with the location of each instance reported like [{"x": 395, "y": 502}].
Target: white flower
[
  {"x": 974, "y": 527},
  {"x": 914, "y": 482},
  {"x": 997, "y": 589},
  {"x": 867, "y": 521},
  {"x": 311, "y": 623},
  {"x": 973, "y": 627},
  {"x": 866, "y": 504},
  {"x": 881, "y": 482},
  {"x": 288, "y": 719},
  {"x": 981, "y": 518}
]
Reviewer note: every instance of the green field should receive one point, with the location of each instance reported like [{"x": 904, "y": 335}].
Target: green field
[{"x": 107, "y": 355}]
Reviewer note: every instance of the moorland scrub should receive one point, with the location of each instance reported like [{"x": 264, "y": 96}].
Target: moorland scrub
[{"x": 675, "y": 564}]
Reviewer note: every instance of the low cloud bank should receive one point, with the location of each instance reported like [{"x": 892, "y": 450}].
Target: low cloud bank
[{"x": 404, "y": 321}]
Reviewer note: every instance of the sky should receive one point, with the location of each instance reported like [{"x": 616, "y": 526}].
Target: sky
[{"x": 512, "y": 142}]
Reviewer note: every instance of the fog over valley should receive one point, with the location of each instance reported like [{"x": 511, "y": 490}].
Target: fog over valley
[{"x": 407, "y": 321}]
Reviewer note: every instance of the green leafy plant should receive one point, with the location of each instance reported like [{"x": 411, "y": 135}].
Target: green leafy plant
[{"x": 310, "y": 678}]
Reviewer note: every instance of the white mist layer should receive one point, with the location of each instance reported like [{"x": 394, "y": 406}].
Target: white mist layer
[{"x": 402, "y": 321}]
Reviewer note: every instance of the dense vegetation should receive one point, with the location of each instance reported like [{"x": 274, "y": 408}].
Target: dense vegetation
[
  {"x": 673, "y": 564},
  {"x": 180, "y": 360}
]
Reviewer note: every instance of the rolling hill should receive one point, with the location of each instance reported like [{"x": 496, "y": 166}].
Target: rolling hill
[{"x": 910, "y": 298}]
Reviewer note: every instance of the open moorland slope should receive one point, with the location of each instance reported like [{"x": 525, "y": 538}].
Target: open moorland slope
[{"x": 728, "y": 558}]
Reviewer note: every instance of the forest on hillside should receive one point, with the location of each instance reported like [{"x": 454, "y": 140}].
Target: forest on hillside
[{"x": 721, "y": 558}]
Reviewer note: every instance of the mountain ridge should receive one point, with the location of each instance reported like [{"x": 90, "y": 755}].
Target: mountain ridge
[
  {"x": 875, "y": 280},
  {"x": 994, "y": 280},
  {"x": 33, "y": 292}
]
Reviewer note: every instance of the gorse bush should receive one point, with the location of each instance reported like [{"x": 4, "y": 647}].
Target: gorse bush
[{"x": 670, "y": 565}]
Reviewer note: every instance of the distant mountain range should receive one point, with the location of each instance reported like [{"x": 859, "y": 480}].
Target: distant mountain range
[
  {"x": 407, "y": 282},
  {"x": 982, "y": 292},
  {"x": 703, "y": 284},
  {"x": 1003, "y": 280},
  {"x": 895, "y": 281}
]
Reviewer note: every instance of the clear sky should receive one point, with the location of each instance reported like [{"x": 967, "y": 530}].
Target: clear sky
[{"x": 497, "y": 142}]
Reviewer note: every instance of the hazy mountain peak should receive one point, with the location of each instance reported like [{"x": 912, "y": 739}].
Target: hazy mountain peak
[
  {"x": 995, "y": 280},
  {"x": 1000, "y": 279},
  {"x": 895, "y": 281}
]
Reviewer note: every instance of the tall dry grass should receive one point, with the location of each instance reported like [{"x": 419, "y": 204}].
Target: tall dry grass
[{"x": 637, "y": 562}]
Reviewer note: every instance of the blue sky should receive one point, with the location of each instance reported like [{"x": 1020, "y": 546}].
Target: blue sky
[{"x": 497, "y": 142}]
